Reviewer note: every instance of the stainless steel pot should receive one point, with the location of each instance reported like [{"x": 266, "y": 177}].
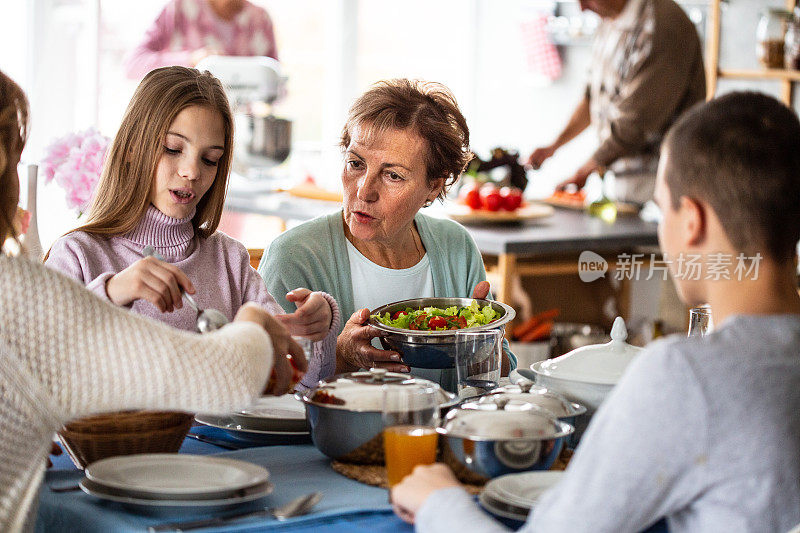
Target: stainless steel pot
[
  {"x": 520, "y": 395},
  {"x": 490, "y": 443},
  {"x": 567, "y": 336},
  {"x": 264, "y": 140},
  {"x": 432, "y": 349},
  {"x": 352, "y": 432}
]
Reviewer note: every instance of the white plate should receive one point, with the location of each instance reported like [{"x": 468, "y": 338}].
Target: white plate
[
  {"x": 524, "y": 489},
  {"x": 248, "y": 495},
  {"x": 498, "y": 509},
  {"x": 232, "y": 426},
  {"x": 278, "y": 407},
  {"x": 273, "y": 413},
  {"x": 175, "y": 475}
]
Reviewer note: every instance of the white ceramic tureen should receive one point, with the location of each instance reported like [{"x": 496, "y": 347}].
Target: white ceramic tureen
[{"x": 586, "y": 375}]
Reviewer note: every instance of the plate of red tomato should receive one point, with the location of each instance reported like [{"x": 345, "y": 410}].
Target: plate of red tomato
[{"x": 489, "y": 203}]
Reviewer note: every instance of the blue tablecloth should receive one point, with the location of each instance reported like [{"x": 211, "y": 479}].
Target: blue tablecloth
[{"x": 348, "y": 506}]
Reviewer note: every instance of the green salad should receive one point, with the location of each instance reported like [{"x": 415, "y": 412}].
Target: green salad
[{"x": 438, "y": 319}]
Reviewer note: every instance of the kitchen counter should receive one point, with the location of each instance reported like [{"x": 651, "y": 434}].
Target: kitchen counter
[{"x": 540, "y": 247}]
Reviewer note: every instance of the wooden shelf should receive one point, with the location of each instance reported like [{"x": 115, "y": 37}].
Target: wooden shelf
[
  {"x": 786, "y": 78},
  {"x": 760, "y": 74}
]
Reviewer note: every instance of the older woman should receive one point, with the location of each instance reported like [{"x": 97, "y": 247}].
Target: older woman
[{"x": 405, "y": 143}]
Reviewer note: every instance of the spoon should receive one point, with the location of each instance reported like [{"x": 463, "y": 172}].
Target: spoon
[
  {"x": 208, "y": 319},
  {"x": 298, "y": 506}
]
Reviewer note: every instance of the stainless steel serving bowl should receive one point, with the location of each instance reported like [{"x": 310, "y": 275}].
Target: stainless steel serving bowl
[
  {"x": 489, "y": 443},
  {"x": 353, "y": 432},
  {"x": 432, "y": 349}
]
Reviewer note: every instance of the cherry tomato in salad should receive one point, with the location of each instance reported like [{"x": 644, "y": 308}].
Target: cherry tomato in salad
[
  {"x": 420, "y": 322},
  {"x": 437, "y": 322},
  {"x": 397, "y": 314}
]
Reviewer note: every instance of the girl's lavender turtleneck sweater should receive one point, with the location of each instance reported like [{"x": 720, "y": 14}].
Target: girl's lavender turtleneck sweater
[{"x": 218, "y": 266}]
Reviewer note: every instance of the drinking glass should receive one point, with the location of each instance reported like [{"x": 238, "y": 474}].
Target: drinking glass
[
  {"x": 478, "y": 356},
  {"x": 700, "y": 322},
  {"x": 306, "y": 344},
  {"x": 410, "y": 415}
]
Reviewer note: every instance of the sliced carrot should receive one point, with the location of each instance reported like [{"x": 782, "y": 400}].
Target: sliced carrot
[
  {"x": 523, "y": 329},
  {"x": 541, "y": 331},
  {"x": 519, "y": 331}
]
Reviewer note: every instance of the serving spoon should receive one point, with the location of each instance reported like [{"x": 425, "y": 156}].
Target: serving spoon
[{"x": 207, "y": 319}]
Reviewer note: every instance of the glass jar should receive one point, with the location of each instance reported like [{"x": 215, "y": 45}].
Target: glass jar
[
  {"x": 770, "y": 36},
  {"x": 792, "y": 42}
]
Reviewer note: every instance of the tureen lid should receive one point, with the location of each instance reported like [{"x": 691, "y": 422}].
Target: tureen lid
[
  {"x": 477, "y": 423},
  {"x": 520, "y": 397},
  {"x": 601, "y": 364}
]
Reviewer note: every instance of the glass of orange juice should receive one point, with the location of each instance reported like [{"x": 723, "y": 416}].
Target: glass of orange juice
[{"x": 410, "y": 416}]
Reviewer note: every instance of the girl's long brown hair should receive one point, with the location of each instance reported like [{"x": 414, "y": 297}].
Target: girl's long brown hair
[
  {"x": 13, "y": 134},
  {"x": 123, "y": 193}
]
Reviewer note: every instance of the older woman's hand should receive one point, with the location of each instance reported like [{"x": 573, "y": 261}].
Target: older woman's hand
[
  {"x": 481, "y": 290},
  {"x": 354, "y": 347},
  {"x": 313, "y": 316},
  {"x": 408, "y": 496}
]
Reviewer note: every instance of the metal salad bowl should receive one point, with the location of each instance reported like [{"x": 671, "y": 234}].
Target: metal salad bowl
[{"x": 432, "y": 349}]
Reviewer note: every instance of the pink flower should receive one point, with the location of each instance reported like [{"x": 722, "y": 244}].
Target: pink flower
[{"x": 75, "y": 162}]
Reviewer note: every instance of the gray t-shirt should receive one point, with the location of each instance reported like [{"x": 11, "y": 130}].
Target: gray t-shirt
[{"x": 702, "y": 431}]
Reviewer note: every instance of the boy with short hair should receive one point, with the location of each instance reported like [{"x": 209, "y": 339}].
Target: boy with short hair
[{"x": 704, "y": 432}]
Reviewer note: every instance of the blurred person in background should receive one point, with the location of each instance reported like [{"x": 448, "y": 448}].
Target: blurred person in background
[
  {"x": 187, "y": 31},
  {"x": 646, "y": 69}
]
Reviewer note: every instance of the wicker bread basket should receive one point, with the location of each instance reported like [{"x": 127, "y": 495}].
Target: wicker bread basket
[{"x": 93, "y": 438}]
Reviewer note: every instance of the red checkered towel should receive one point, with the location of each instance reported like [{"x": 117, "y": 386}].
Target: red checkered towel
[{"x": 542, "y": 55}]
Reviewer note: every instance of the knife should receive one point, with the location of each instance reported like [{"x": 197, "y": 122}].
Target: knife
[{"x": 216, "y": 442}]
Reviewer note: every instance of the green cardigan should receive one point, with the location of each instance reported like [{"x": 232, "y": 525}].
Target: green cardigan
[{"x": 314, "y": 255}]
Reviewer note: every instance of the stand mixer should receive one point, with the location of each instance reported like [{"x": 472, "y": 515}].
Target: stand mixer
[{"x": 253, "y": 84}]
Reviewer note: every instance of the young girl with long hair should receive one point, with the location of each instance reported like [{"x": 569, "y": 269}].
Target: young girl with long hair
[
  {"x": 66, "y": 354},
  {"x": 163, "y": 185}
]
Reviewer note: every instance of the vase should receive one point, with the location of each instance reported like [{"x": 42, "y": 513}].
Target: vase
[{"x": 32, "y": 246}]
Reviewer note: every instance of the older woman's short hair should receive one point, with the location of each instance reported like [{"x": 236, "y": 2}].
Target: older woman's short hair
[{"x": 427, "y": 108}]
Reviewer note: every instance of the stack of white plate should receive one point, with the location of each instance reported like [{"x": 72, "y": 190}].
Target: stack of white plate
[
  {"x": 269, "y": 416},
  {"x": 514, "y": 495},
  {"x": 168, "y": 480}
]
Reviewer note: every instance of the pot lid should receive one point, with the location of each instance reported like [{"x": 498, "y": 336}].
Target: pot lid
[
  {"x": 518, "y": 398},
  {"x": 601, "y": 364},
  {"x": 480, "y": 424},
  {"x": 364, "y": 390}
]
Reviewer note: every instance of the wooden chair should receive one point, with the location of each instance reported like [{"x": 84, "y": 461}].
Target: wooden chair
[{"x": 255, "y": 256}]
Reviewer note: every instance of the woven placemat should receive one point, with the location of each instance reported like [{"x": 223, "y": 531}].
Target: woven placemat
[{"x": 375, "y": 475}]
